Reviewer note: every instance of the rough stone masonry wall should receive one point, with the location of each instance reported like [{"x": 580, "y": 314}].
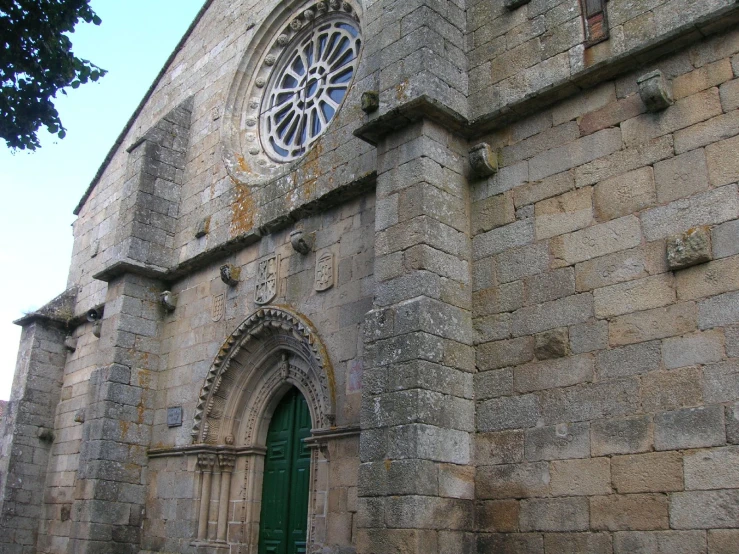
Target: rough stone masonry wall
[
  {"x": 191, "y": 340},
  {"x": 538, "y": 47},
  {"x": 607, "y": 385}
]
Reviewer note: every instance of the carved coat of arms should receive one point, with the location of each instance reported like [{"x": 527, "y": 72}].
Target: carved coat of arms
[
  {"x": 218, "y": 307},
  {"x": 325, "y": 271},
  {"x": 266, "y": 286}
]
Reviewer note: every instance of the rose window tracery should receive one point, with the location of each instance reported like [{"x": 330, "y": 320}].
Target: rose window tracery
[
  {"x": 310, "y": 82},
  {"x": 290, "y": 87}
]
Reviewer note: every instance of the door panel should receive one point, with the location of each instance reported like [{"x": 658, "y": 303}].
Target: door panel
[{"x": 284, "y": 515}]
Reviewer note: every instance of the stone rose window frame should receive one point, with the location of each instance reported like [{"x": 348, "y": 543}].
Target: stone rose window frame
[{"x": 284, "y": 98}]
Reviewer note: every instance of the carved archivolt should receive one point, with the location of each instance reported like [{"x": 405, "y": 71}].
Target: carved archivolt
[{"x": 271, "y": 349}]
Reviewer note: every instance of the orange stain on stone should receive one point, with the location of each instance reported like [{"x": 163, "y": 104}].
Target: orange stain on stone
[{"x": 242, "y": 211}]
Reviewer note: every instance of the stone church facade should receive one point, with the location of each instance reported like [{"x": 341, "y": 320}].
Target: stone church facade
[{"x": 396, "y": 277}]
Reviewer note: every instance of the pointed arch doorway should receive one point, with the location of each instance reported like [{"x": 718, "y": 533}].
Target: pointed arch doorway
[{"x": 284, "y": 513}]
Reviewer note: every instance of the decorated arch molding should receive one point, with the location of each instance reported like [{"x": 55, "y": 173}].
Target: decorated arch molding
[{"x": 272, "y": 348}]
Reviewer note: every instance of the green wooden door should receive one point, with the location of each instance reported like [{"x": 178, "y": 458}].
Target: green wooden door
[{"x": 284, "y": 519}]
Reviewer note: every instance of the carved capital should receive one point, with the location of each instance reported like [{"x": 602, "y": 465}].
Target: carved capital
[
  {"x": 206, "y": 462},
  {"x": 227, "y": 462}
]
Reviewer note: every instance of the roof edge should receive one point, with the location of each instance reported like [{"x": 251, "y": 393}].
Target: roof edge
[{"x": 119, "y": 141}]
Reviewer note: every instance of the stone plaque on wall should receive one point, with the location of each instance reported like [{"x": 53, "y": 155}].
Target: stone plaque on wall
[
  {"x": 266, "y": 286},
  {"x": 325, "y": 271}
]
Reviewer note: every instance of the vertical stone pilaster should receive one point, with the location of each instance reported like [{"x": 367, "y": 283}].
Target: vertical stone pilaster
[
  {"x": 111, "y": 483},
  {"x": 27, "y": 433},
  {"x": 415, "y": 485}
]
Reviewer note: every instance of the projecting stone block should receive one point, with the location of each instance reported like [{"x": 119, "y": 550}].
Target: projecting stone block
[
  {"x": 483, "y": 161},
  {"x": 513, "y": 4},
  {"x": 690, "y": 248},
  {"x": 655, "y": 91},
  {"x": 552, "y": 344}
]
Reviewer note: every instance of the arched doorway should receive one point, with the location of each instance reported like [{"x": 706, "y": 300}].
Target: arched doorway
[
  {"x": 284, "y": 513},
  {"x": 274, "y": 357}
]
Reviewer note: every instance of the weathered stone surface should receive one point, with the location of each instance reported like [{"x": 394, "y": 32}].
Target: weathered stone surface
[
  {"x": 653, "y": 472},
  {"x": 559, "y": 313},
  {"x": 704, "y": 509},
  {"x": 505, "y": 447},
  {"x": 725, "y": 239},
  {"x": 681, "y": 176},
  {"x": 732, "y": 423},
  {"x": 719, "y": 310},
  {"x": 558, "y": 442},
  {"x": 689, "y": 428},
  {"x": 588, "y": 337},
  {"x": 595, "y": 241},
  {"x": 550, "y": 285},
  {"x": 581, "y": 477},
  {"x": 498, "y": 516},
  {"x": 655, "y": 91},
  {"x": 712, "y": 469},
  {"x": 589, "y": 401},
  {"x": 722, "y": 167},
  {"x": 708, "y": 279},
  {"x": 624, "y": 194},
  {"x": 629, "y": 360},
  {"x": 566, "y": 543},
  {"x": 554, "y": 514},
  {"x": 677, "y": 542},
  {"x": 563, "y": 214},
  {"x": 632, "y": 512},
  {"x": 633, "y": 296},
  {"x": 492, "y": 212},
  {"x": 670, "y": 390},
  {"x": 493, "y": 355},
  {"x": 683, "y": 113},
  {"x": 512, "y": 412},
  {"x": 699, "y": 348},
  {"x": 621, "y": 436},
  {"x": 552, "y": 344},
  {"x": 690, "y": 248},
  {"x": 708, "y": 208},
  {"x": 549, "y": 374},
  {"x": 721, "y": 382},
  {"x": 512, "y": 481},
  {"x": 722, "y": 541},
  {"x": 653, "y": 324}
]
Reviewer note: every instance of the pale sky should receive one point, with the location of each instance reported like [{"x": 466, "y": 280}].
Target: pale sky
[{"x": 40, "y": 190}]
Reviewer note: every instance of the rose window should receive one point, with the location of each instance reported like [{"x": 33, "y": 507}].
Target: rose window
[
  {"x": 308, "y": 86},
  {"x": 296, "y": 74}
]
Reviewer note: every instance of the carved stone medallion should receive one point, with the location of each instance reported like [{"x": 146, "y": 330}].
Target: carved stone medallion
[
  {"x": 219, "y": 305},
  {"x": 266, "y": 287},
  {"x": 325, "y": 271}
]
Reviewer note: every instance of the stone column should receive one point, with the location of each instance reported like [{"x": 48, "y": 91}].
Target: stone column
[
  {"x": 226, "y": 462},
  {"x": 205, "y": 463},
  {"x": 416, "y": 487}
]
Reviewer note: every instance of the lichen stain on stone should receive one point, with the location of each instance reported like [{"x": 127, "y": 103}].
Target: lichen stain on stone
[
  {"x": 311, "y": 168},
  {"x": 401, "y": 91},
  {"x": 243, "y": 166},
  {"x": 124, "y": 426},
  {"x": 242, "y": 211}
]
